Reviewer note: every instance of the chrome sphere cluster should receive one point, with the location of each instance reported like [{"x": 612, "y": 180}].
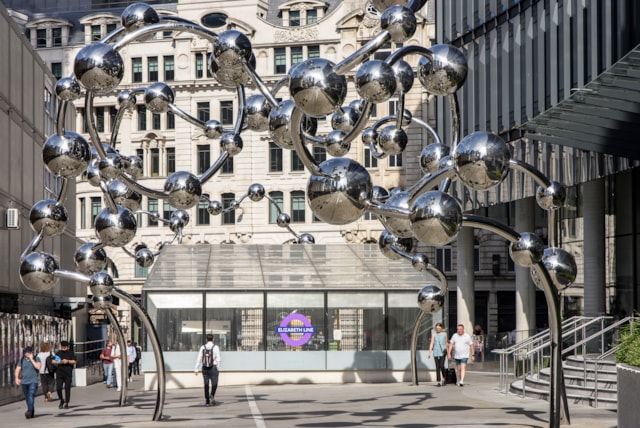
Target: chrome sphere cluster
[{"x": 339, "y": 190}]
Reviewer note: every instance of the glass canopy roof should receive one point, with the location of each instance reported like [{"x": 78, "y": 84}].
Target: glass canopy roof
[{"x": 197, "y": 267}]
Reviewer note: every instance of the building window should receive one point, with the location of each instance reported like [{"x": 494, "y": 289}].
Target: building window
[
  {"x": 369, "y": 160},
  {"x": 155, "y": 121},
  {"x": 203, "y": 111},
  {"x": 226, "y": 112},
  {"x": 96, "y": 33},
  {"x": 113, "y": 112},
  {"x": 169, "y": 67},
  {"x": 393, "y": 106},
  {"x": 476, "y": 255},
  {"x": 228, "y": 217},
  {"x": 277, "y": 199},
  {"x": 41, "y": 38},
  {"x": 313, "y": 51},
  {"x": 275, "y": 157},
  {"x": 297, "y": 206},
  {"x": 296, "y": 162},
  {"x": 136, "y": 67},
  {"x": 312, "y": 16},
  {"x": 167, "y": 210},
  {"x": 111, "y": 28},
  {"x": 199, "y": 66},
  {"x": 152, "y": 207},
  {"x": 100, "y": 119},
  {"x": 56, "y": 34},
  {"x": 155, "y": 162},
  {"x": 56, "y": 69},
  {"x": 153, "y": 68},
  {"x": 227, "y": 166},
  {"x": 296, "y": 55},
  {"x": 319, "y": 154},
  {"x": 83, "y": 213},
  {"x": 280, "y": 60},
  {"x": 96, "y": 207},
  {"x": 171, "y": 160},
  {"x": 142, "y": 117},
  {"x": 203, "y": 213},
  {"x": 140, "y": 154},
  {"x": 141, "y": 272},
  {"x": 443, "y": 258},
  {"x": 294, "y": 18},
  {"x": 395, "y": 161},
  {"x": 171, "y": 120},
  {"x": 204, "y": 157}
]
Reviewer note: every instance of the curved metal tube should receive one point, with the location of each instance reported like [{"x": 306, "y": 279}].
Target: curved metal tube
[
  {"x": 361, "y": 54},
  {"x": 211, "y": 171},
  {"x": 296, "y": 138},
  {"x": 186, "y": 116},
  {"x": 155, "y": 344},
  {"x": 407, "y": 50},
  {"x": 429, "y": 182},
  {"x": 529, "y": 170},
  {"x": 60, "y": 117},
  {"x": 260, "y": 85},
  {"x": 91, "y": 125},
  {"x": 35, "y": 241},
  {"x": 383, "y": 210},
  {"x": 242, "y": 110},
  {"x": 455, "y": 120},
  {"x": 140, "y": 188},
  {"x": 122, "y": 382},
  {"x": 426, "y": 126},
  {"x": 184, "y": 26},
  {"x": 64, "y": 190},
  {"x": 414, "y": 347}
]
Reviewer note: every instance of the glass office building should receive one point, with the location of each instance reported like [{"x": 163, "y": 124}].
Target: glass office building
[{"x": 287, "y": 308}]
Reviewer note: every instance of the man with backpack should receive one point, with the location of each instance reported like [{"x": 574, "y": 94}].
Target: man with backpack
[{"x": 208, "y": 361}]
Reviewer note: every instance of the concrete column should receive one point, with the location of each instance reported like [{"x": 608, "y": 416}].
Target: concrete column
[
  {"x": 594, "y": 251},
  {"x": 465, "y": 287},
  {"x": 525, "y": 289}
]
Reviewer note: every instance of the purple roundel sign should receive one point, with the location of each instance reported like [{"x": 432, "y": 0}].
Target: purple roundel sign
[{"x": 306, "y": 329}]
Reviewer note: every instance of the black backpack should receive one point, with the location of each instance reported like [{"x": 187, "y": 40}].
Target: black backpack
[
  {"x": 51, "y": 368},
  {"x": 207, "y": 357}
]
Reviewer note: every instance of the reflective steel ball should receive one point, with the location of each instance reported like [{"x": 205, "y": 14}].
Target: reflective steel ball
[
  {"x": 111, "y": 166},
  {"x": 68, "y": 89},
  {"x": 135, "y": 167},
  {"x": 482, "y": 160},
  {"x": 306, "y": 238},
  {"x": 123, "y": 195},
  {"x": 430, "y": 157},
  {"x": 116, "y": 229},
  {"x": 400, "y": 22},
  {"x": 102, "y": 302},
  {"x": 257, "y": 113},
  {"x": 215, "y": 207},
  {"x": 48, "y": 217},
  {"x": 382, "y": 5},
  {"x": 138, "y": 15},
  {"x": 430, "y": 299},
  {"x": 419, "y": 262},
  {"x": 387, "y": 241},
  {"x": 552, "y": 197},
  {"x": 344, "y": 119},
  {"x": 144, "y": 257},
  {"x": 37, "y": 271},
  {"x": 561, "y": 266},
  {"x": 231, "y": 49},
  {"x": 66, "y": 155},
  {"x": 213, "y": 129},
  {"x": 315, "y": 88},
  {"x": 283, "y": 220},
  {"x": 101, "y": 284},
  {"x": 398, "y": 226},
  {"x": 127, "y": 99},
  {"x": 231, "y": 77},
  {"x": 527, "y": 250},
  {"x": 98, "y": 67},
  {"x": 231, "y": 143},
  {"x": 158, "y": 96},
  {"x": 256, "y": 192},
  {"x": 404, "y": 76},
  {"x": 279, "y": 124},
  {"x": 392, "y": 140},
  {"x": 88, "y": 260},
  {"x": 379, "y": 194},
  {"x": 183, "y": 189},
  {"x": 436, "y": 218},
  {"x": 445, "y": 73},
  {"x": 337, "y": 146},
  {"x": 375, "y": 81}
]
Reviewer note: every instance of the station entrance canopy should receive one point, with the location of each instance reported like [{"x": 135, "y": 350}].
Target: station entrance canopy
[{"x": 336, "y": 266}]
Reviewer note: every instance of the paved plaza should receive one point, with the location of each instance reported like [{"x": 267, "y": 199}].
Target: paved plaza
[{"x": 478, "y": 403}]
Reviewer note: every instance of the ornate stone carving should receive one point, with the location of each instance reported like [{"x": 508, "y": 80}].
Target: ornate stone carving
[{"x": 296, "y": 34}]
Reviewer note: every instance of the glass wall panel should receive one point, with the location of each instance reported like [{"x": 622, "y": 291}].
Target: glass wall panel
[
  {"x": 403, "y": 311},
  {"x": 178, "y": 320},
  {"x": 236, "y": 320}
]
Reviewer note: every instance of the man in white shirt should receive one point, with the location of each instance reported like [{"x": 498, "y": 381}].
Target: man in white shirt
[
  {"x": 462, "y": 346},
  {"x": 131, "y": 357},
  {"x": 208, "y": 361}
]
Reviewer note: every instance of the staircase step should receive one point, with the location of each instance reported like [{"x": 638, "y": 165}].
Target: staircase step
[{"x": 540, "y": 391}]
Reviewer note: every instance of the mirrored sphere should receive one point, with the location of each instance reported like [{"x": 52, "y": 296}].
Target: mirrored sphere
[
  {"x": 66, "y": 155},
  {"x": 379, "y": 194},
  {"x": 404, "y": 76},
  {"x": 183, "y": 189},
  {"x": 392, "y": 140},
  {"x": 144, "y": 257},
  {"x": 527, "y": 250},
  {"x": 102, "y": 302},
  {"x": 561, "y": 266},
  {"x": 337, "y": 195},
  {"x": 93, "y": 173},
  {"x": 436, "y": 218},
  {"x": 181, "y": 215},
  {"x": 306, "y": 238},
  {"x": 134, "y": 169},
  {"x": 357, "y": 105},
  {"x": 256, "y": 192},
  {"x": 158, "y": 96},
  {"x": 279, "y": 121},
  {"x": 138, "y": 15},
  {"x": 232, "y": 49},
  {"x": 400, "y": 22},
  {"x": 48, "y": 217},
  {"x": 258, "y": 110},
  {"x": 552, "y": 197},
  {"x": 344, "y": 119},
  {"x": 382, "y": 5},
  {"x": 482, "y": 160},
  {"x": 215, "y": 207},
  {"x": 68, "y": 89},
  {"x": 98, "y": 67},
  {"x": 430, "y": 157},
  {"x": 116, "y": 229},
  {"x": 101, "y": 284},
  {"x": 214, "y": 129},
  {"x": 127, "y": 99},
  {"x": 369, "y": 136},
  {"x": 315, "y": 88},
  {"x": 88, "y": 260},
  {"x": 445, "y": 73},
  {"x": 375, "y": 81},
  {"x": 111, "y": 166},
  {"x": 430, "y": 299},
  {"x": 419, "y": 262},
  {"x": 176, "y": 224},
  {"x": 387, "y": 241},
  {"x": 231, "y": 143},
  {"x": 336, "y": 144},
  {"x": 398, "y": 226},
  {"x": 37, "y": 271},
  {"x": 230, "y": 77},
  {"x": 123, "y": 195},
  {"x": 283, "y": 220}
]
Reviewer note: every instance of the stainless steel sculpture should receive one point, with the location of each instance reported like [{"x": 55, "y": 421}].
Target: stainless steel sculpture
[{"x": 339, "y": 189}]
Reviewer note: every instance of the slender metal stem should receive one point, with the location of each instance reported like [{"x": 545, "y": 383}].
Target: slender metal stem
[
  {"x": 91, "y": 125},
  {"x": 296, "y": 138},
  {"x": 122, "y": 382},
  {"x": 361, "y": 54},
  {"x": 183, "y": 26},
  {"x": 211, "y": 171},
  {"x": 155, "y": 344},
  {"x": 62, "y": 114}
]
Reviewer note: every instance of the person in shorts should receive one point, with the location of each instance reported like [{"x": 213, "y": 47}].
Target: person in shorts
[{"x": 461, "y": 347}]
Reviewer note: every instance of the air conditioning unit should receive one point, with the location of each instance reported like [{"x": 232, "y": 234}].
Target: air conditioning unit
[{"x": 12, "y": 218}]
